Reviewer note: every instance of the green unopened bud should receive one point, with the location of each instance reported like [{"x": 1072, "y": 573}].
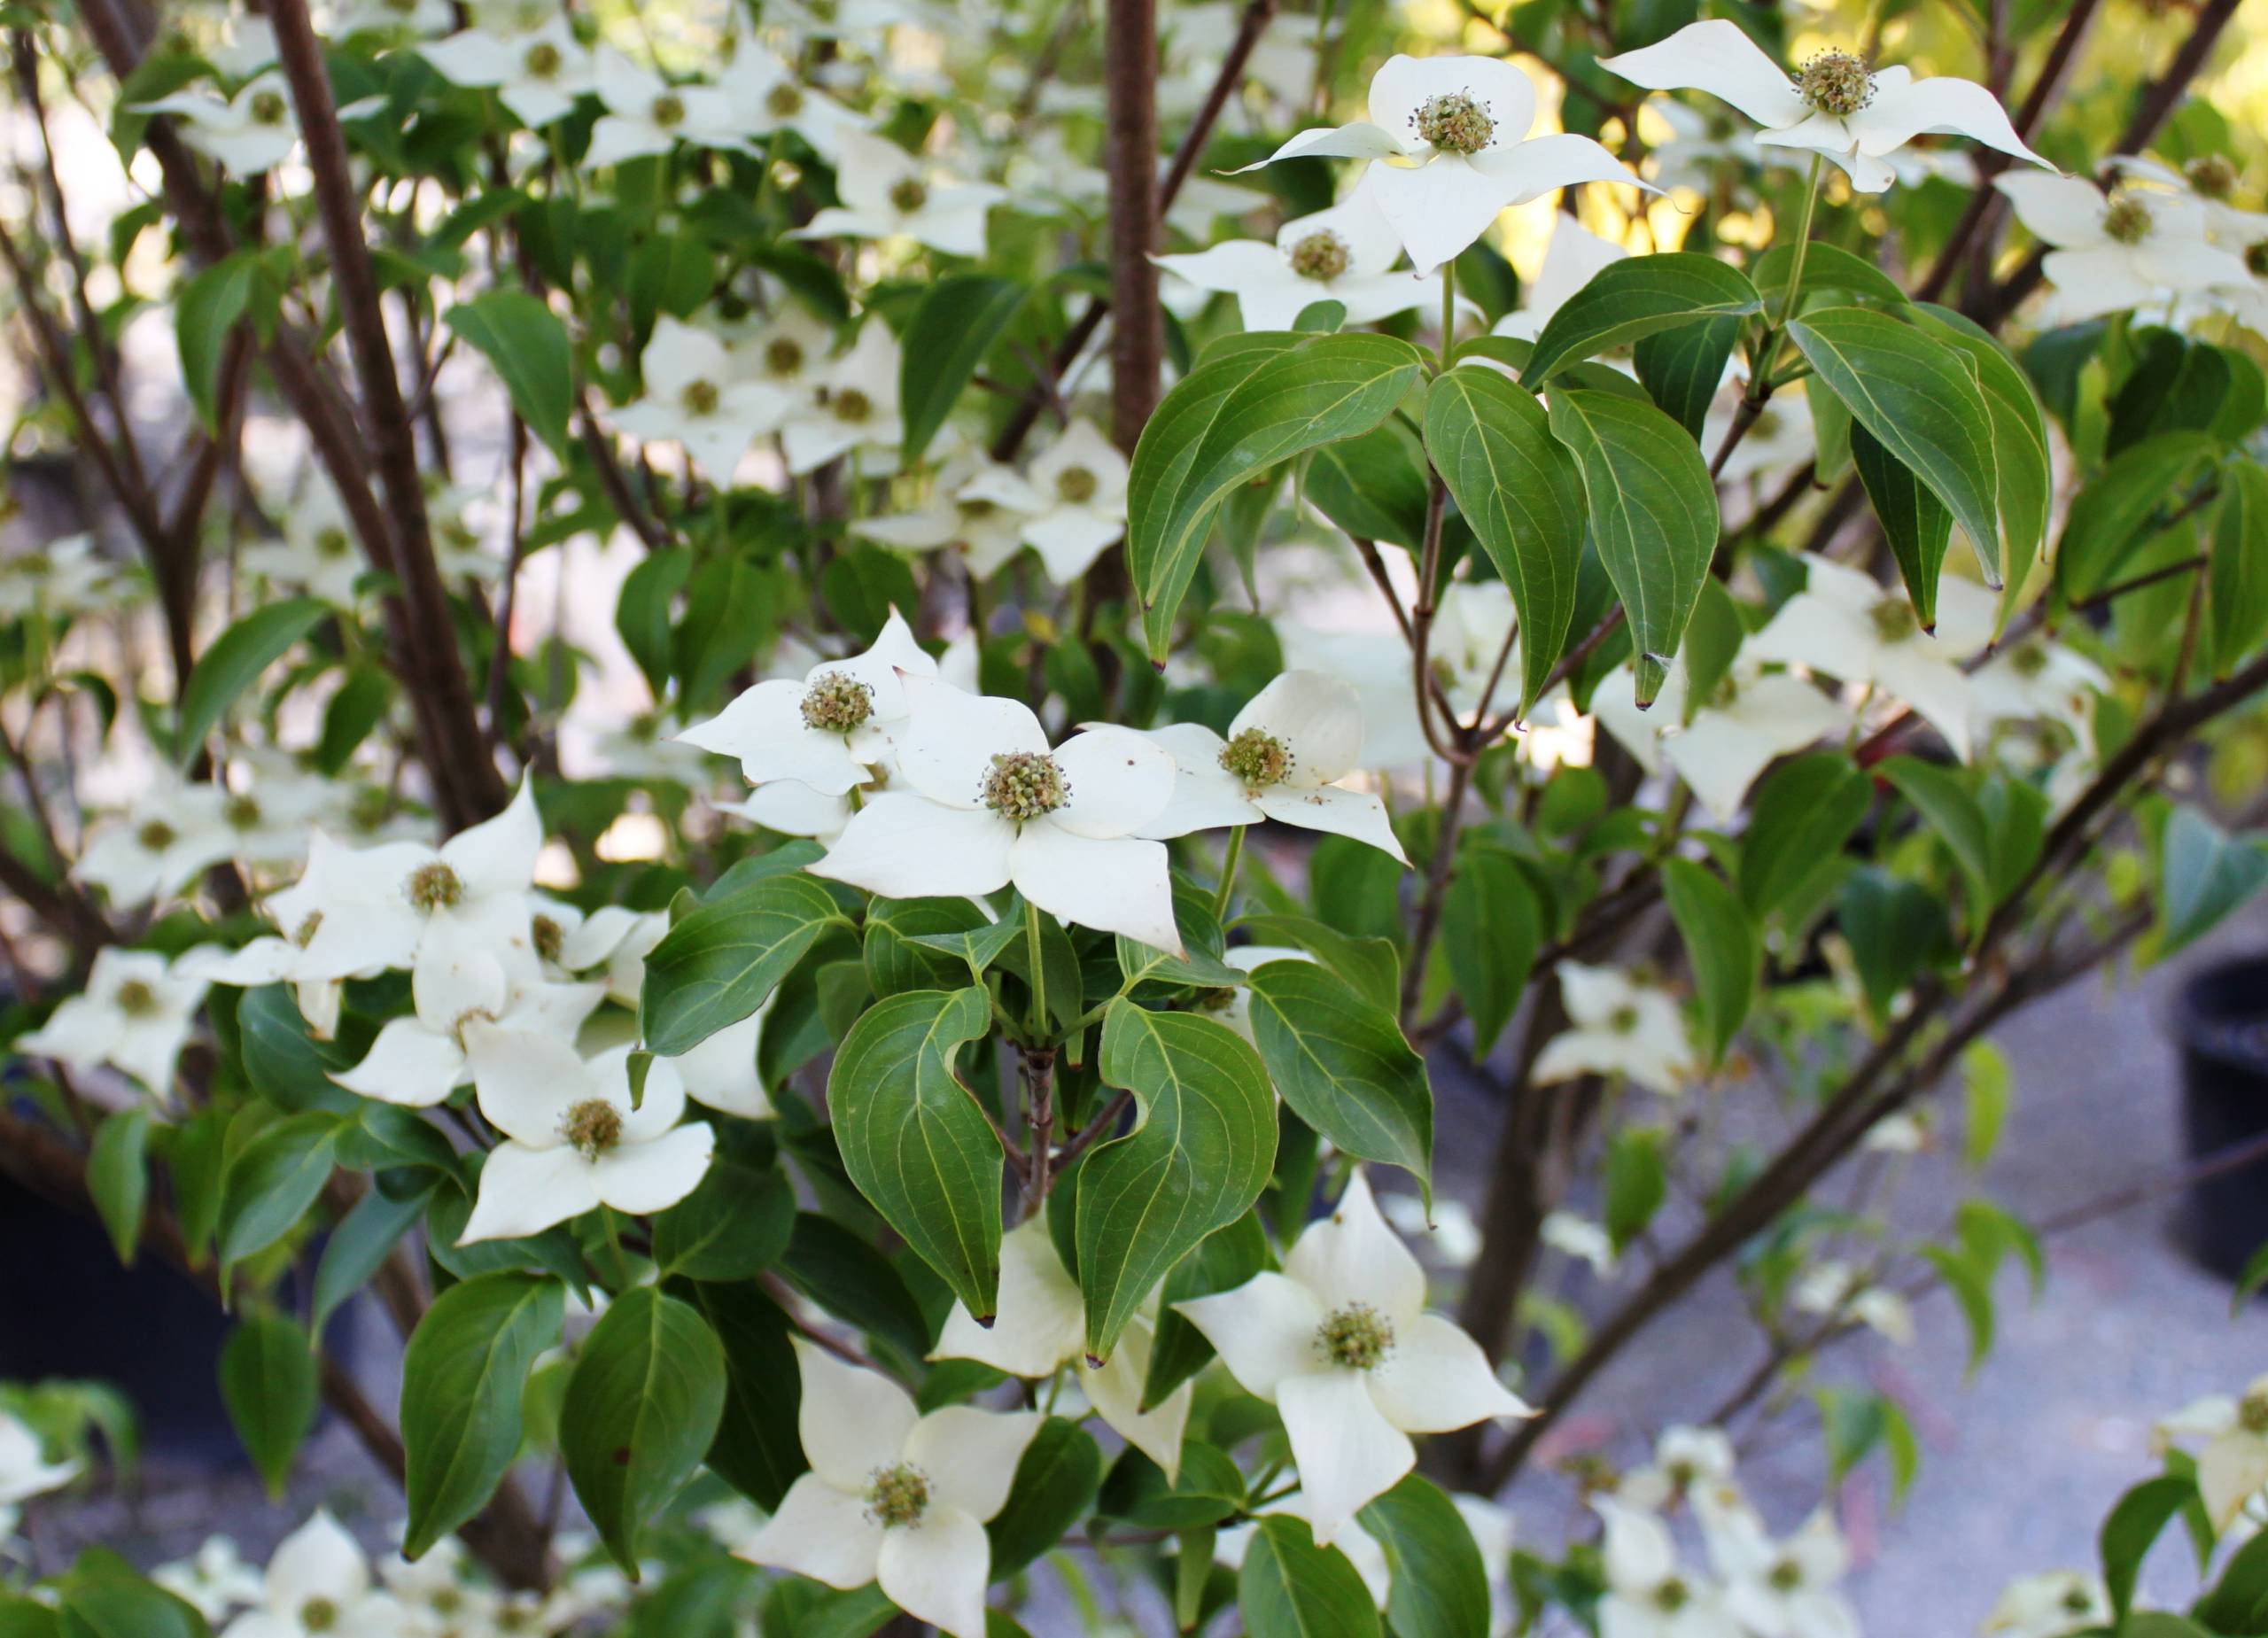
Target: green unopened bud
[
  {"x": 1672, "y": 1596},
  {"x": 908, "y": 195},
  {"x": 784, "y": 101},
  {"x": 783, "y": 355},
  {"x": 700, "y": 398},
  {"x": 542, "y": 61},
  {"x": 2256, "y": 260},
  {"x": 241, "y": 813},
  {"x": 319, "y": 1615},
  {"x": 1623, "y": 1020},
  {"x": 155, "y": 835},
  {"x": 269, "y": 108},
  {"x": 668, "y": 110},
  {"x": 1786, "y": 1576},
  {"x": 1076, "y": 486},
  {"x": 898, "y": 1497},
  {"x": 852, "y": 407},
  {"x": 2212, "y": 175}
]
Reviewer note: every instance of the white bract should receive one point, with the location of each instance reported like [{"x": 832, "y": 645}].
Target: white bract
[
  {"x": 962, "y": 516},
  {"x": 1340, "y": 1343},
  {"x": 1848, "y": 624},
  {"x": 1839, "y": 1291},
  {"x": 135, "y": 1015},
  {"x": 2134, "y": 247},
  {"x": 215, "y": 1578},
  {"x": 1579, "y": 1237},
  {"x": 1072, "y": 501},
  {"x": 2230, "y": 1439},
  {"x": 1041, "y": 1326},
  {"x": 894, "y": 1496},
  {"x": 646, "y": 115},
  {"x": 419, "y": 1060},
  {"x": 1685, "y": 1458},
  {"x": 249, "y": 133},
  {"x": 1287, "y": 752},
  {"x": 1751, "y": 718},
  {"x": 887, "y": 192},
  {"x": 1782, "y": 1589},
  {"x": 1454, "y": 129},
  {"x": 1833, "y": 105},
  {"x": 770, "y": 99},
  {"x": 2057, "y": 1603},
  {"x": 573, "y": 1142},
  {"x": 853, "y": 409},
  {"x": 536, "y": 76},
  {"x": 1618, "y": 1025},
  {"x": 1649, "y": 1595},
  {"x": 1341, "y": 254},
  {"x": 989, "y": 804},
  {"x": 694, "y": 397},
  {"x": 318, "y": 1584},
  {"x": 828, "y": 731},
  {"x": 24, "y": 1470}
]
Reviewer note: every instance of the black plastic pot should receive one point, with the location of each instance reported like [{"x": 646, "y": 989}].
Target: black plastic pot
[{"x": 2221, "y": 1024}]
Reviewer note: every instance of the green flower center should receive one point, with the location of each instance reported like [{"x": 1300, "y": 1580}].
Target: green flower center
[
  {"x": 908, "y": 195},
  {"x": 2256, "y": 260},
  {"x": 1894, "y": 620},
  {"x": 668, "y": 110},
  {"x": 2252, "y": 1412},
  {"x": 434, "y": 887},
  {"x": 2212, "y": 175},
  {"x": 837, "y": 702},
  {"x": 1786, "y": 1576},
  {"x": 2030, "y": 660},
  {"x": 783, "y": 356},
  {"x": 1025, "y": 785},
  {"x": 1356, "y": 1337},
  {"x": 309, "y": 925},
  {"x": 542, "y": 61},
  {"x": 1454, "y": 123},
  {"x": 2078, "y": 1600},
  {"x": 1835, "y": 82},
  {"x": 898, "y": 1497},
  {"x": 548, "y": 936},
  {"x": 1076, "y": 486},
  {"x": 1672, "y": 1596},
  {"x": 1623, "y": 1020},
  {"x": 156, "y": 836},
  {"x": 319, "y": 1615},
  {"x": 852, "y": 406},
  {"x": 1320, "y": 255},
  {"x": 242, "y": 812},
  {"x": 136, "y": 998},
  {"x": 2126, "y": 219},
  {"x": 700, "y": 398},
  {"x": 593, "y": 1127},
  {"x": 784, "y": 101},
  {"x": 332, "y": 544},
  {"x": 1257, "y": 759},
  {"x": 269, "y": 108}
]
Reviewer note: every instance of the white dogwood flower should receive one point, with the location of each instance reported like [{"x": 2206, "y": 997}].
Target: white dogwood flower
[
  {"x": 1341, "y": 254},
  {"x": 2057, "y": 1603},
  {"x": 894, "y": 1496},
  {"x": 317, "y": 1583},
  {"x": 24, "y": 1470},
  {"x": 173, "y": 832},
  {"x": 135, "y": 1015},
  {"x": 1750, "y": 718},
  {"x": 852, "y": 410},
  {"x": 1287, "y": 753},
  {"x": 1618, "y": 1025},
  {"x": 828, "y": 730},
  {"x": 1782, "y": 1589},
  {"x": 1847, "y": 624},
  {"x": 215, "y": 1579},
  {"x": 989, "y": 804},
  {"x": 573, "y": 1143},
  {"x": 1649, "y": 1595},
  {"x": 1340, "y": 1343},
  {"x": 1838, "y": 1290},
  {"x": 1834, "y": 105},
  {"x": 2134, "y": 247},
  {"x": 770, "y": 99},
  {"x": 1456, "y": 126},
  {"x": 646, "y": 115},
  {"x": 2036, "y": 680},
  {"x": 960, "y": 515},
  {"x": 888, "y": 193},
  {"x": 1581, "y": 1238},
  {"x": 1041, "y": 1326},
  {"x": 537, "y": 75},
  {"x": 1685, "y": 1459},
  {"x": 1072, "y": 501},
  {"x": 693, "y": 397},
  {"x": 251, "y": 132},
  {"x": 419, "y": 1059},
  {"x": 2232, "y": 1455}
]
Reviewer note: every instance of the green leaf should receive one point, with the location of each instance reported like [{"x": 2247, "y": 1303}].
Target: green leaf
[
  {"x": 733, "y": 1227},
  {"x": 1653, "y": 510},
  {"x": 355, "y": 1249},
  {"x": 1209, "y": 1491},
  {"x": 1972, "y": 1294},
  {"x": 950, "y": 329},
  {"x": 1826, "y": 268},
  {"x": 1895, "y": 927},
  {"x": 1371, "y": 964},
  {"x": 2128, "y": 504},
  {"x": 2025, "y": 480},
  {"x": 1374, "y": 487},
  {"x": 1800, "y": 817},
  {"x": 1342, "y": 1065},
  {"x": 1635, "y": 297},
  {"x": 1232, "y": 416},
  {"x": 2133, "y": 1527},
  {"x": 1636, "y": 1181},
  {"x": 1492, "y": 927},
  {"x": 1055, "y": 1483},
  {"x": 269, "y": 1383},
  {"x": 208, "y": 308},
  {"x": 105, "y": 1597},
  {"x": 642, "y": 1410},
  {"x": 1226, "y": 1260},
  {"x": 758, "y": 1449},
  {"x": 1521, "y": 491},
  {"x": 1990, "y": 1233},
  {"x": 642, "y": 615},
  {"x": 672, "y": 273},
  {"x": 462, "y": 1378},
  {"x": 1988, "y": 1092},
  {"x": 2248, "y": 1282},
  {"x": 1291, "y": 1589},
  {"x": 1683, "y": 368},
  {"x": 528, "y": 346},
  {"x": 1200, "y": 1152},
  {"x": 716, "y": 966},
  {"x": 1722, "y": 943},
  {"x": 836, "y": 1268},
  {"x": 1943, "y": 798},
  {"x": 117, "y": 1177},
  {"x": 1916, "y": 523},
  {"x": 914, "y": 1139},
  {"x": 2237, "y": 576},
  {"x": 234, "y": 662},
  {"x": 272, "y": 1182},
  {"x": 1920, "y": 398},
  {"x": 1440, "y": 1584},
  {"x": 2204, "y": 874}
]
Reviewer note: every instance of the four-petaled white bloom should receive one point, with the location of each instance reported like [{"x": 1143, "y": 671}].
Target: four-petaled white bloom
[
  {"x": 215, "y": 1579},
  {"x": 1649, "y": 1593},
  {"x": 1839, "y": 1291},
  {"x": 889, "y": 192},
  {"x": 895, "y": 1496},
  {"x": 537, "y": 75},
  {"x": 1848, "y": 624},
  {"x": 1287, "y": 752},
  {"x": 1340, "y": 1343},
  {"x": 248, "y": 133},
  {"x": 2130, "y": 248},
  {"x": 770, "y": 99},
  {"x": 1456, "y": 126},
  {"x": 1781, "y": 1589},
  {"x": 1072, "y": 501},
  {"x": 573, "y": 1142},
  {"x": 1685, "y": 1458},
  {"x": 1834, "y": 105},
  {"x": 1750, "y": 718},
  {"x": 318, "y": 1586},
  {"x": 420, "y": 1060},
  {"x": 1341, "y": 254},
  {"x": 695, "y": 397},
  {"x": 829, "y": 730},
  {"x": 2058, "y": 1604},
  {"x": 1041, "y": 1324},
  {"x": 853, "y": 408},
  {"x": 646, "y": 115},
  {"x": 2233, "y": 1456},
  {"x": 1617, "y": 1026},
  {"x": 134, "y": 1014},
  {"x": 989, "y": 804}
]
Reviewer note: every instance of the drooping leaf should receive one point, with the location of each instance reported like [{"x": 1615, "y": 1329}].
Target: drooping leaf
[
  {"x": 269, "y": 1383},
  {"x": 1054, "y": 1486},
  {"x": 1722, "y": 943},
  {"x": 946, "y": 339},
  {"x": 2237, "y": 578},
  {"x": 234, "y": 662},
  {"x": 1916, "y": 523},
  {"x": 1343, "y": 1066},
  {"x": 528, "y": 345},
  {"x": 118, "y": 1176},
  {"x": 2204, "y": 875}
]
